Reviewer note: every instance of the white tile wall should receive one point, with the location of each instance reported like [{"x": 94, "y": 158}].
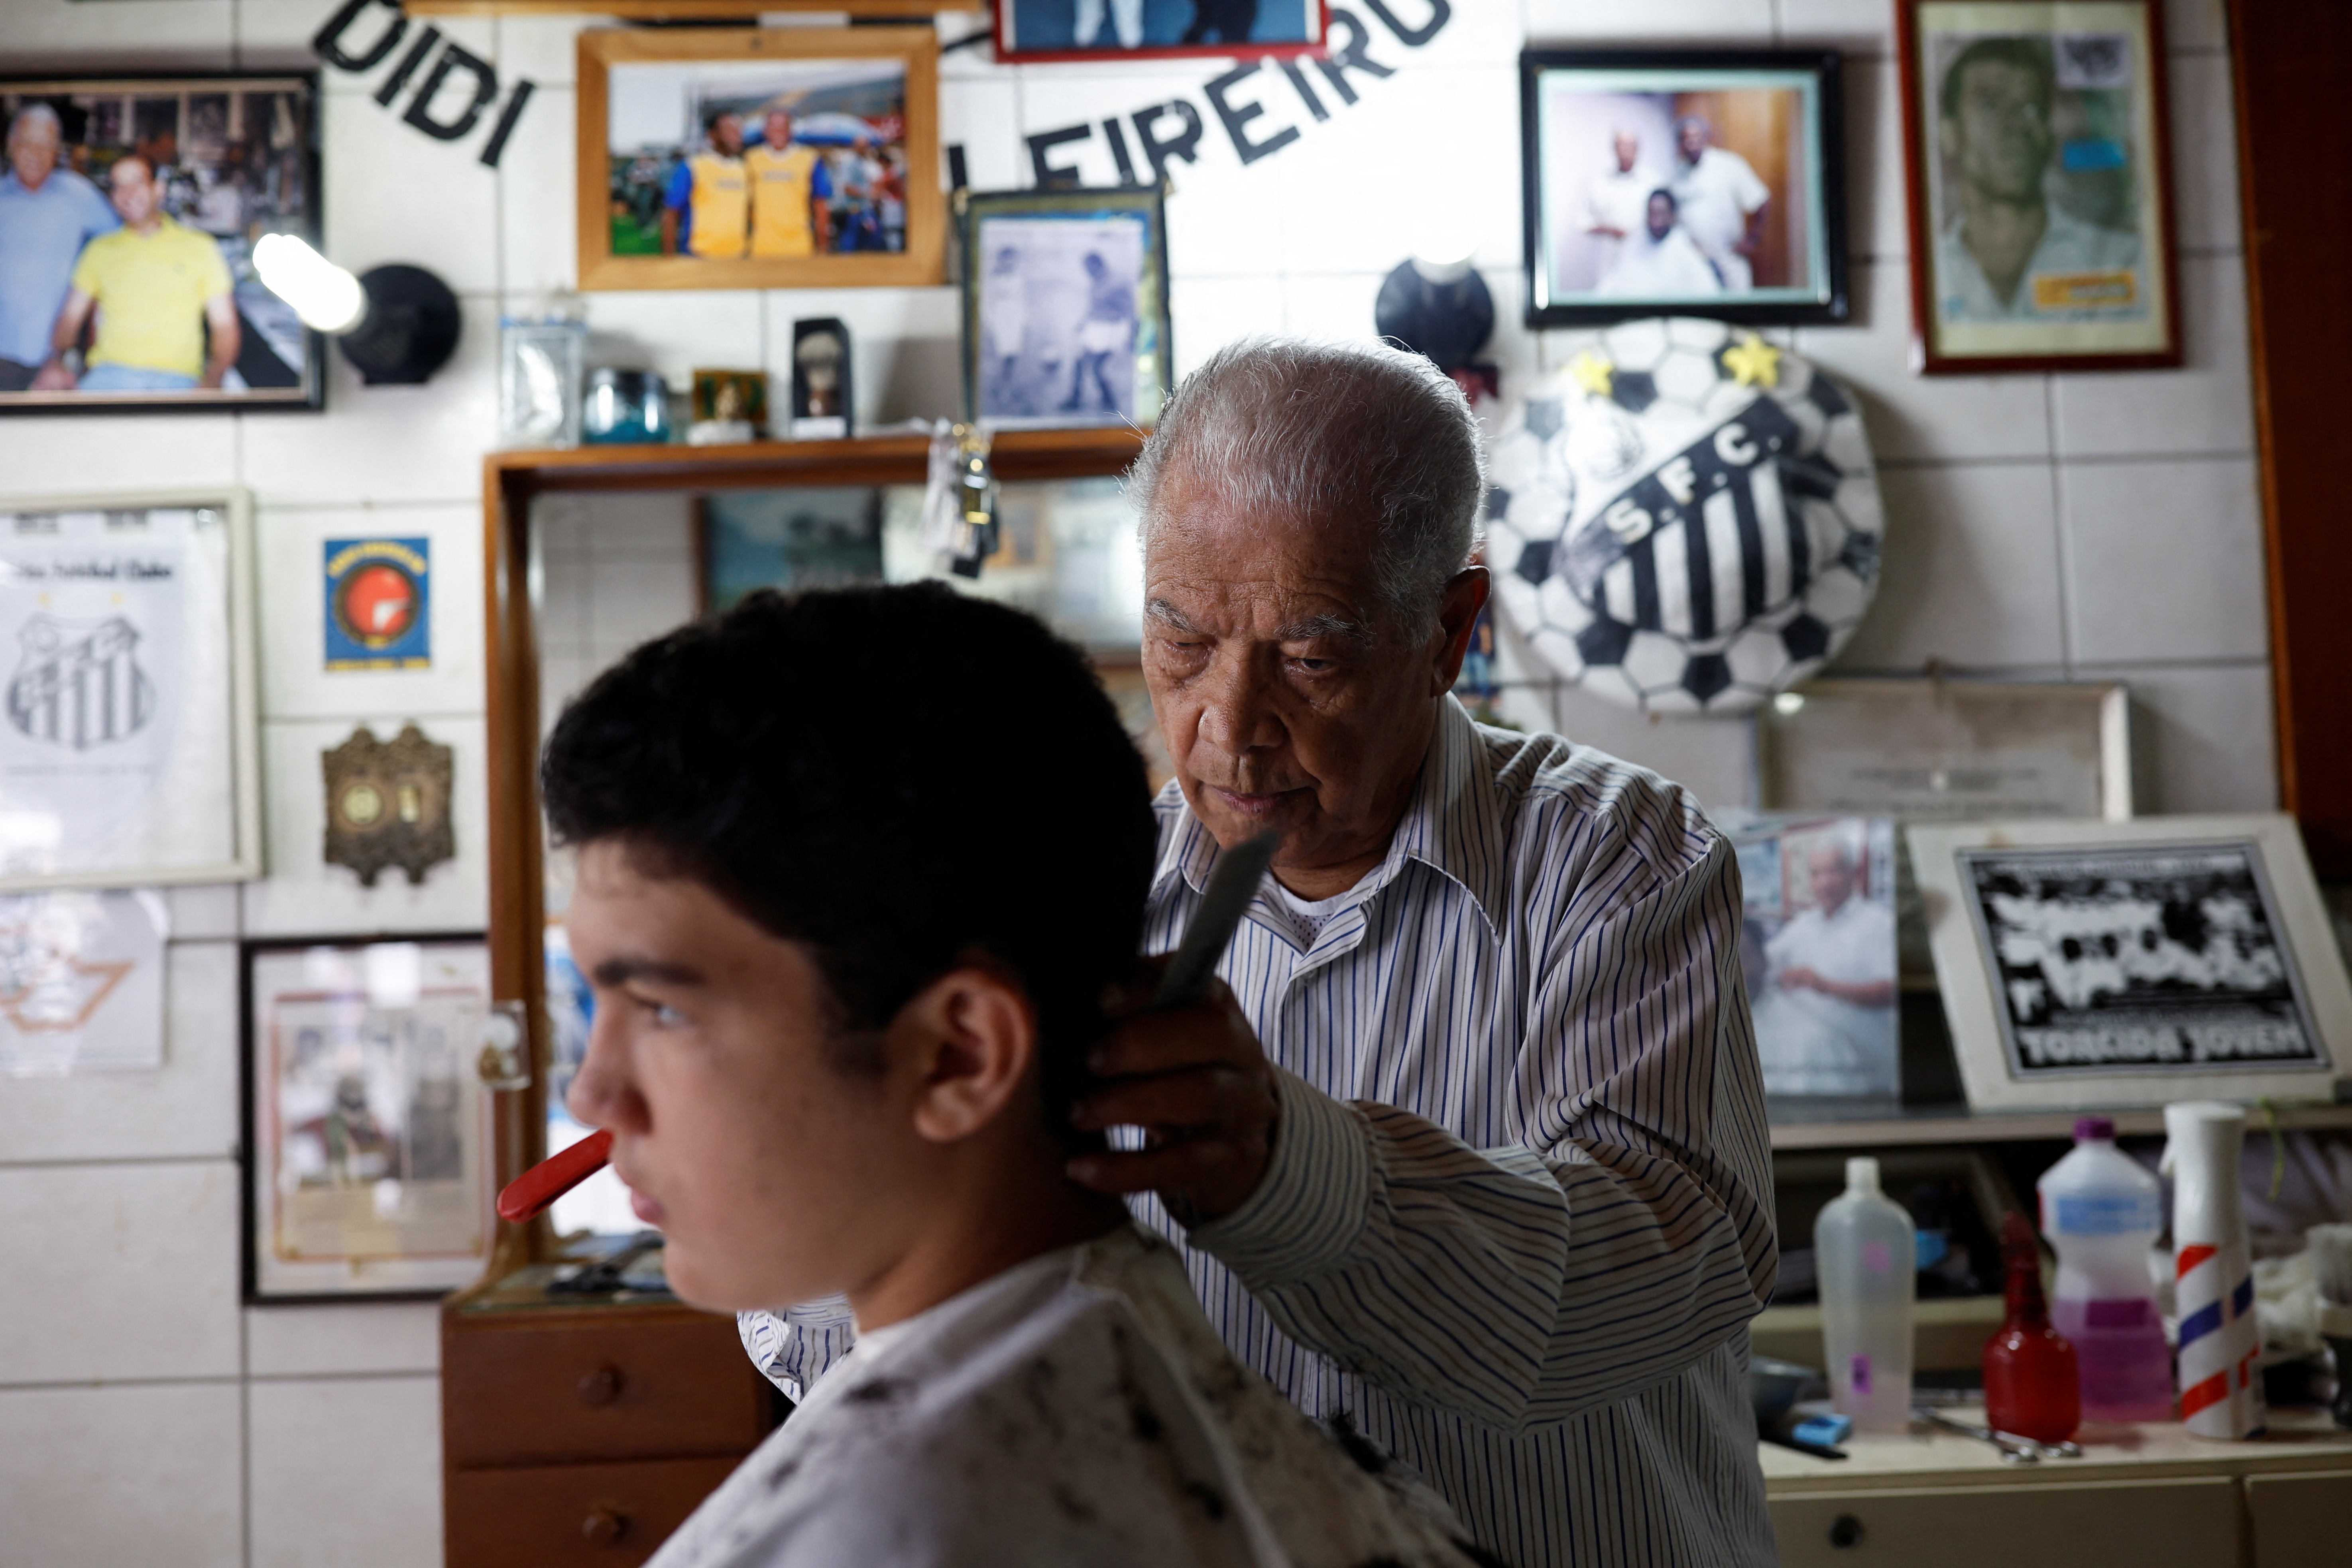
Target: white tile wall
[
  {"x": 345, "y": 1471},
  {"x": 185, "y": 1110},
  {"x": 120, "y": 1271},
  {"x": 303, "y": 893},
  {"x": 2094, "y": 525},
  {"x": 142, "y": 1474},
  {"x": 342, "y": 1338}
]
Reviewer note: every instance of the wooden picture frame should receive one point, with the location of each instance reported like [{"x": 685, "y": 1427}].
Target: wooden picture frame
[
  {"x": 1102, "y": 252},
  {"x": 759, "y": 67},
  {"x": 369, "y": 1154},
  {"x": 2099, "y": 289},
  {"x": 131, "y": 756},
  {"x": 2094, "y": 964},
  {"x": 1756, "y": 225}
]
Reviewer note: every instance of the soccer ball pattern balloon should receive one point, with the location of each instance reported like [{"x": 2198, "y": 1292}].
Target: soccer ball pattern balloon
[{"x": 1686, "y": 520}]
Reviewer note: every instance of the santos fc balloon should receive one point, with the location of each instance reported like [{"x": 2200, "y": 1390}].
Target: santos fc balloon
[{"x": 1686, "y": 520}]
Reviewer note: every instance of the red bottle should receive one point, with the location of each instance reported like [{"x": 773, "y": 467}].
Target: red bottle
[{"x": 2032, "y": 1386}]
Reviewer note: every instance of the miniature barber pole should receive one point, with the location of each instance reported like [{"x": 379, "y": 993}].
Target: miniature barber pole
[{"x": 2220, "y": 1342}]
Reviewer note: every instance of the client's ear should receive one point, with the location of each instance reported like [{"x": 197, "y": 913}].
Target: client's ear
[{"x": 975, "y": 1040}]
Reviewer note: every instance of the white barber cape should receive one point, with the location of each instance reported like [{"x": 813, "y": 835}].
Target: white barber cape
[{"x": 1077, "y": 1410}]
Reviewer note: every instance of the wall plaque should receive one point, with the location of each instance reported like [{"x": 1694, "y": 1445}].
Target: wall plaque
[{"x": 388, "y": 803}]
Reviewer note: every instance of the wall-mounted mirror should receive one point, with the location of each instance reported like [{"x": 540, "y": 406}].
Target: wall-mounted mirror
[{"x": 595, "y": 552}]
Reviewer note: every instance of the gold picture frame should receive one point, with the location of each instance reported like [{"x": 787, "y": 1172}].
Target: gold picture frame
[{"x": 620, "y": 215}]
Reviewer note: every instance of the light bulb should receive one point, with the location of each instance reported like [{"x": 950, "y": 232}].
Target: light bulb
[{"x": 327, "y": 298}]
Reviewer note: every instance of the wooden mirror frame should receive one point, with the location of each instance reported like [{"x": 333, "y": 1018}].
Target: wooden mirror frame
[{"x": 510, "y": 482}]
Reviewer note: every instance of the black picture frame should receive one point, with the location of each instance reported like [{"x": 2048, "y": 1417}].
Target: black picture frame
[
  {"x": 1791, "y": 117},
  {"x": 1029, "y": 403},
  {"x": 272, "y": 185},
  {"x": 259, "y": 1152},
  {"x": 824, "y": 396}
]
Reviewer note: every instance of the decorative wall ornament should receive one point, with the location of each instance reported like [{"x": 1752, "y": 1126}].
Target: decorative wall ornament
[
  {"x": 388, "y": 803},
  {"x": 1685, "y": 519}
]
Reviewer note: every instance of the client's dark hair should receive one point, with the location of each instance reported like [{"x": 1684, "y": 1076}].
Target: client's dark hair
[{"x": 897, "y": 777}]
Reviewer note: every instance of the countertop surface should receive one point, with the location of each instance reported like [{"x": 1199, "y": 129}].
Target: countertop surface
[{"x": 2297, "y": 1440}]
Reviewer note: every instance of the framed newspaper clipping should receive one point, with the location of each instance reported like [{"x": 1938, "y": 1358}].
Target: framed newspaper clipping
[
  {"x": 130, "y": 752},
  {"x": 367, "y": 1126},
  {"x": 2041, "y": 192},
  {"x": 2097, "y": 964}
]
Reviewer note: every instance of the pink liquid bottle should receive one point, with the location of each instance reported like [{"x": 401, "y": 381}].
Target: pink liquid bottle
[{"x": 2102, "y": 1212}]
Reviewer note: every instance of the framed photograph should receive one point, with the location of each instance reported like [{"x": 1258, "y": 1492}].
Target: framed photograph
[
  {"x": 130, "y": 753},
  {"x": 1948, "y": 751},
  {"x": 813, "y": 536},
  {"x": 1066, "y": 307},
  {"x": 1683, "y": 183},
  {"x": 1156, "y": 29},
  {"x": 2038, "y": 182},
  {"x": 2091, "y": 964},
  {"x": 1817, "y": 949},
  {"x": 126, "y": 258},
  {"x": 759, "y": 158},
  {"x": 367, "y": 1129}
]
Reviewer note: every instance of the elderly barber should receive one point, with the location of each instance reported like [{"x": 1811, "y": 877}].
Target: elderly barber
[{"x": 1474, "y": 1153}]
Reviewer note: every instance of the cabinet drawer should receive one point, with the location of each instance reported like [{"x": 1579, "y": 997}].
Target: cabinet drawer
[
  {"x": 2302, "y": 1521},
  {"x": 2188, "y": 1523},
  {"x": 554, "y": 1515},
  {"x": 592, "y": 1389}
]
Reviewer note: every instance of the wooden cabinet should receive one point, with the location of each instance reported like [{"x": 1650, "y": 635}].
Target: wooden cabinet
[
  {"x": 2149, "y": 1496},
  {"x": 585, "y": 1434},
  {"x": 2192, "y": 1522}
]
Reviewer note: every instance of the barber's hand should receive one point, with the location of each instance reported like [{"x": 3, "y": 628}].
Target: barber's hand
[
  {"x": 1198, "y": 1081},
  {"x": 53, "y": 376}
]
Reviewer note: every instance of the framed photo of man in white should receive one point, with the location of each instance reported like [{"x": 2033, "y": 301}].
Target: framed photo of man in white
[
  {"x": 2130, "y": 964},
  {"x": 129, "y": 748},
  {"x": 2040, "y": 193},
  {"x": 1701, "y": 183}
]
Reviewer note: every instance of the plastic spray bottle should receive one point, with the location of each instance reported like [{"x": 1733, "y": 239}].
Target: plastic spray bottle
[
  {"x": 2221, "y": 1340},
  {"x": 1866, "y": 1250},
  {"x": 2102, "y": 1212},
  {"x": 2032, "y": 1384}
]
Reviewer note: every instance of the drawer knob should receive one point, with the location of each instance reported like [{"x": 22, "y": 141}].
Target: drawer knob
[
  {"x": 603, "y": 1527},
  {"x": 600, "y": 1387},
  {"x": 1844, "y": 1530}
]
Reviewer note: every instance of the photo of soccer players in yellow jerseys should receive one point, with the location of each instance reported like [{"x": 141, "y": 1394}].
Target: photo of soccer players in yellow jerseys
[{"x": 791, "y": 161}]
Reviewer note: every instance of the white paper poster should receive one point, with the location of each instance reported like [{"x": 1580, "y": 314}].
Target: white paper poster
[
  {"x": 117, "y": 716},
  {"x": 82, "y": 982}
]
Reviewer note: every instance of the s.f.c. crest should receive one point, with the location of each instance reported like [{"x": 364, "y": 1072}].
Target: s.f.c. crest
[{"x": 79, "y": 684}]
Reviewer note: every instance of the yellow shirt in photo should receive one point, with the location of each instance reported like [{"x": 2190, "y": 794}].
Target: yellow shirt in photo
[
  {"x": 152, "y": 289},
  {"x": 781, "y": 182},
  {"x": 721, "y": 206}
]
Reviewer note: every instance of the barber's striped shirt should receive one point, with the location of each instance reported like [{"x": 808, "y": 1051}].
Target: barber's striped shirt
[{"x": 1519, "y": 1213}]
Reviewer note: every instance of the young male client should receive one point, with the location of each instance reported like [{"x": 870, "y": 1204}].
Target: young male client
[{"x": 857, "y": 872}]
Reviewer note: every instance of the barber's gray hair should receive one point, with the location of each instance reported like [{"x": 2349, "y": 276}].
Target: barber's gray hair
[
  {"x": 1344, "y": 434},
  {"x": 36, "y": 114}
]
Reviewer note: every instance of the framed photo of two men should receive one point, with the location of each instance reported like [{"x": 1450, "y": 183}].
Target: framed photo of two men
[
  {"x": 1683, "y": 183},
  {"x": 759, "y": 158},
  {"x": 2041, "y": 199},
  {"x": 128, "y": 210}
]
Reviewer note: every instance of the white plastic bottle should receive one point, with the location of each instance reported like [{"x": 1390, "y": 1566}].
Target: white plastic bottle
[
  {"x": 2102, "y": 1211},
  {"x": 1866, "y": 1250}
]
